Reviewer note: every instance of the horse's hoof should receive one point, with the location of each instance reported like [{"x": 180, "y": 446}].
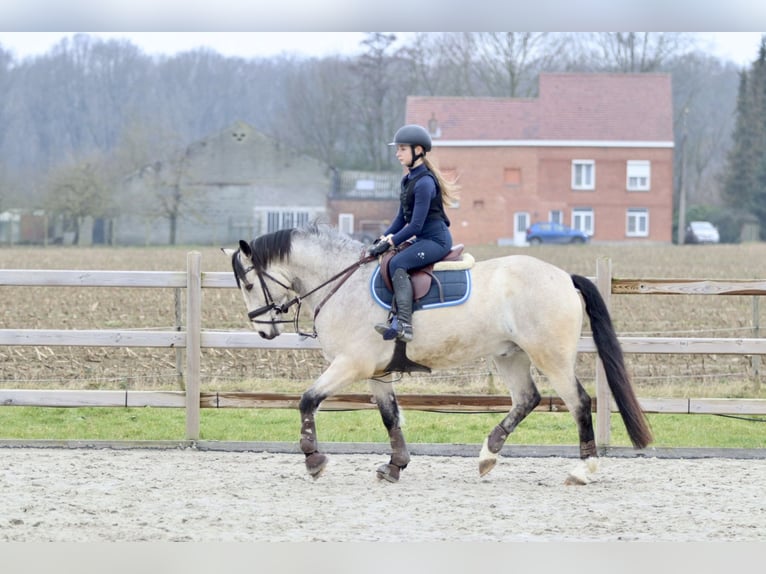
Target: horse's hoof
[
  {"x": 486, "y": 465},
  {"x": 574, "y": 481},
  {"x": 315, "y": 464},
  {"x": 389, "y": 472}
]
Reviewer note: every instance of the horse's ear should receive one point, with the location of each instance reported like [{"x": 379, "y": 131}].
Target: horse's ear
[
  {"x": 244, "y": 247},
  {"x": 228, "y": 252}
]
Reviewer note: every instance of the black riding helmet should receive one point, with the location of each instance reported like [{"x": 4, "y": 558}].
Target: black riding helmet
[{"x": 414, "y": 135}]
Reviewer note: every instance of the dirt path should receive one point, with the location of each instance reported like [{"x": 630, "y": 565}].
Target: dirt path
[{"x": 188, "y": 495}]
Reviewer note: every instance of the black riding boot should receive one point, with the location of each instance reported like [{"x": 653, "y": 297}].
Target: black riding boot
[{"x": 402, "y": 325}]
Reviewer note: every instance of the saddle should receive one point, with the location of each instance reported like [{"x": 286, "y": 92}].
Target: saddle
[{"x": 423, "y": 277}]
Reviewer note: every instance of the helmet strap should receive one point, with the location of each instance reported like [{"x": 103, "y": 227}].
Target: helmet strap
[{"x": 415, "y": 157}]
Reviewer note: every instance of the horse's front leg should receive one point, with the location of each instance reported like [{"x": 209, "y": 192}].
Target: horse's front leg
[
  {"x": 392, "y": 419},
  {"x": 315, "y": 460},
  {"x": 338, "y": 374}
]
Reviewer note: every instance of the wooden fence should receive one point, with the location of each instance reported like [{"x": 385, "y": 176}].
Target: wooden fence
[{"x": 194, "y": 339}]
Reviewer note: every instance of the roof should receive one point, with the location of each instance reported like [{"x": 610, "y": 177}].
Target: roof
[{"x": 581, "y": 107}]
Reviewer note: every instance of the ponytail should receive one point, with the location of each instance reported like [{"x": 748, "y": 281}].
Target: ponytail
[{"x": 449, "y": 189}]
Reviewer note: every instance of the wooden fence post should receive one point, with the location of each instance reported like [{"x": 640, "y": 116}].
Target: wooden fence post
[
  {"x": 603, "y": 395},
  {"x": 179, "y": 327},
  {"x": 756, "y": 359},
  {"x": 193, "y": 340}
]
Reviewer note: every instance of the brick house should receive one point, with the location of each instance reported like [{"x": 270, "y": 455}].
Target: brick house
[{"x": 593, "y": 151}]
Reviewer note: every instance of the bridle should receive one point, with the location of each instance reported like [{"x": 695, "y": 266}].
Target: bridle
[{"x": 270, "y": 305}]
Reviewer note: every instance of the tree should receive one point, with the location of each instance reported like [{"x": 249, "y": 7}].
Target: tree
[
  {"x": 315, "y": 118},
  {"x": 77, "y": 190},
  {"x": 744, "y": 180},
  {"x": 509, "y": 62},
  {"x": 639, "y": 52},
  {"x": 375, "y": 116}
]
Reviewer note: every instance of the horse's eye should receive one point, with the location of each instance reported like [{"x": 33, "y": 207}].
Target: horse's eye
[{"x": 249, "y": 287}]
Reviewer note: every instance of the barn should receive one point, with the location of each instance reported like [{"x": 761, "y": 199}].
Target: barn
[{"x": 236, "y": 183}]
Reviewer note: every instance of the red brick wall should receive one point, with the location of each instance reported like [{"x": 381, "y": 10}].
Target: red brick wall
[{"x": 488, "y": 205}]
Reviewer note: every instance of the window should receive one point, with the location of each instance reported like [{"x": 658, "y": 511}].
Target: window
[
  {"x": 583, "y": 174},
  {"x": 637, "y": 224},
  {"x": 512, "y": 176},
  {"x": 285, "y": 219},
  {"x": 639, "y": 175},
  {"x": 346, "y": 223},
  {"x": 556, "y": 216},
  {"x": 582, "y": 219}
]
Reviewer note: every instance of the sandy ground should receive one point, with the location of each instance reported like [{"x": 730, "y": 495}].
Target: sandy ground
[{"x": 189, "y": 495}]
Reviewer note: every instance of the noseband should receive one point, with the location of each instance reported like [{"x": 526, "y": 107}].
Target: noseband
[
  {"x": 297, "y": 300},
  {"x": 270, "y": 304}
]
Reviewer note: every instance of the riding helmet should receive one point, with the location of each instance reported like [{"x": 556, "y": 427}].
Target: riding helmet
[{"x": 412, "y": 134}]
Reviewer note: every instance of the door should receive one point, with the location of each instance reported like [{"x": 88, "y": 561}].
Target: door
[{"x": 520, "y": 224}]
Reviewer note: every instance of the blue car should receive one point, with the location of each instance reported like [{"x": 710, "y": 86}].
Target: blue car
[{"x": 548, "y": 232}]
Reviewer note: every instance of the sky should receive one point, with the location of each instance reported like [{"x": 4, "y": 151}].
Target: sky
[{"x": 739, "y": 47}]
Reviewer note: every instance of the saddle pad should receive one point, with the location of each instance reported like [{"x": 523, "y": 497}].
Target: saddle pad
[{"x": 455, "y": 289}]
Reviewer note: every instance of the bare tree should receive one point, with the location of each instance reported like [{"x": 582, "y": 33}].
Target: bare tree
[
  {"x": 315, "y": 118},
  {"x": 372, "y": 105},
  {"x": 639, "y": 52},
  {"x": 77, "y": 190},
  {"x": 509, "y": 62}
]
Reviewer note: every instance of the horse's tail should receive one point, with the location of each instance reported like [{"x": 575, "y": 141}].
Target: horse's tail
[{"x": 610, "y": 353}]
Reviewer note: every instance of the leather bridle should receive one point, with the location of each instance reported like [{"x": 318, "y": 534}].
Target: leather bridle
[{"x": 270, "y": 305}]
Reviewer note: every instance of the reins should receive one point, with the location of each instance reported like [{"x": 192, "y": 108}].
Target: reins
[{"x": 270, "y": 305}]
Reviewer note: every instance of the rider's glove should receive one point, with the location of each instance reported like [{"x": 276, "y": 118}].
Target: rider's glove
[{"x": 379, "y": 248}]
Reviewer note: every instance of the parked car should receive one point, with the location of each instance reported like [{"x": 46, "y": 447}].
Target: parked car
[
  {"x": 701, "y": 232},
  {"x": 549, "y": 232}
]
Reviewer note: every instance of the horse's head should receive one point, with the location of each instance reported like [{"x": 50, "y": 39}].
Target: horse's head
[{"x": 266, "y": 293}]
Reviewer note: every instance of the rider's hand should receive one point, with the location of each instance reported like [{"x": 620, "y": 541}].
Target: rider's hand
[{"x": 378, "y": 248}]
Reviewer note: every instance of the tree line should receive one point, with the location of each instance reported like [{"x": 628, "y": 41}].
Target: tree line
[{"x": 78, "y": 119}]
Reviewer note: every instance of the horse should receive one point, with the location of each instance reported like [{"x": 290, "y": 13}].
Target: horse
[{"x": 522, "y": 312}]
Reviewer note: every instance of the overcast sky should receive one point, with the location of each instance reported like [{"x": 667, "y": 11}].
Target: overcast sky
[{"x": 739, "y": 47}]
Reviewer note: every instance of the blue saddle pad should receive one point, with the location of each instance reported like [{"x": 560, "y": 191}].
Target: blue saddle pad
[{"x": 455, "y": 289}]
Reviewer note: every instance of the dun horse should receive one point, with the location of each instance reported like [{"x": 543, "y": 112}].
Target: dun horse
[{"x": 521, "y": 312}]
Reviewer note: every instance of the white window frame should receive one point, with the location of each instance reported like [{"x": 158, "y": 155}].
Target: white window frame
[
  {"x": 639, "y": 175},
  {"x": 637, "y": 222},
  {"x": 346, "y": 223},
  {"x": 276, "y": 218},
  {"x": 584, "y": 219},
  {"x": 583, "y": 174},
  {"x": 556, "y": 216}
]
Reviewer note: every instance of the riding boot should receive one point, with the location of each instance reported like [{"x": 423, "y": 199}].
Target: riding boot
[
  {"x": 403, "y": 295},
  {"x": 401, "y": 326}
]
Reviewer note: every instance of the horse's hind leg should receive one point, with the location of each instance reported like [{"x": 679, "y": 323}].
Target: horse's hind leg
[
  {"x": 515, "y": 367},
  {"x": 583, "y": 416},
  {"x": 389, "y": 412},
  {"x": 578, "y": 402}
]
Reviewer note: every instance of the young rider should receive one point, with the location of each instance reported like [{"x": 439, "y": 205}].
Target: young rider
[{"x": 421, "y": 218}]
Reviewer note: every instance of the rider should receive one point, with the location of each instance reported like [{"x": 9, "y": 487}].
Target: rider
[{"x": 421, "y": 218}]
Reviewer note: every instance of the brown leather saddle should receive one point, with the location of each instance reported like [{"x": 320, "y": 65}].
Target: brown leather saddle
[{"x": 421, "y": 278}]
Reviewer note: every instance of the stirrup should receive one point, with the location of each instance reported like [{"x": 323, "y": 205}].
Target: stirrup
[
  {"x": 404, "y": 332},
  {"x": 390, "y": 330}
]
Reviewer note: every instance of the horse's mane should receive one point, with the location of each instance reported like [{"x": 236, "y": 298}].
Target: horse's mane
[{"x": 277, "y": 246}]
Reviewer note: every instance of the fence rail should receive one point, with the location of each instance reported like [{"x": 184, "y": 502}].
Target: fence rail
[{"x": 194, "y": 338}]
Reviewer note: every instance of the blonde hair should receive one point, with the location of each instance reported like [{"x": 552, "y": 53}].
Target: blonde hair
[{"x": 449, "y": 188}]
